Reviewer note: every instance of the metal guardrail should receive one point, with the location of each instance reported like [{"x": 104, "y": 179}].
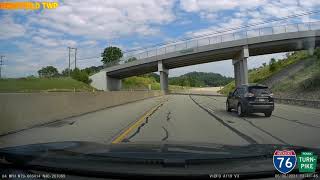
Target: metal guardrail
[{"x": 189, "y": 45}]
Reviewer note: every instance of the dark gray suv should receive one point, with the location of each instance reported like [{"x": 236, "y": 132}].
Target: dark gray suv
[{"x": 251, "y": 99}]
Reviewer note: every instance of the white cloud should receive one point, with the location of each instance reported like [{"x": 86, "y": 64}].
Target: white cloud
[
  {"x": 211, "y": 6},
  {"x": 88, "y": 43},
  {"x": 88, "y": 24},
  {"x": 10, "y": 29},
  {"x": 268, "y": 8},
  {"x": 49, "y": 42},
  {"x": 207, "y": 5},
  {"x": 309, "y": 3},
  {"x": 47, "y": 32},
  {"x": 219, "y": 27},
  {"x": 247, "y": 12},
  {"x": 107, "y": 19}
]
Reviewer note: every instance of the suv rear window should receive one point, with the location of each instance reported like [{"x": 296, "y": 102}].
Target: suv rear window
[{"x": 257, "y": 90}]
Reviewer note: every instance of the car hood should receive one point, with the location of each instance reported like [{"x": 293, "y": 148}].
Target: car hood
[
  {"x": 146, "y": 159},
  {"x": 150, "y": 150}
]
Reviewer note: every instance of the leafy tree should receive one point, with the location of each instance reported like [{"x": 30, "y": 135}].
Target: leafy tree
[
  {"x": 264, "y": 64},
  {"x": 111, "y": 55},
  {"x": 65, "y": 72},
  {"x": 48, "y": 72},
  {"x": 93, "y": 69},
  {"x": 272, "y": 65}
]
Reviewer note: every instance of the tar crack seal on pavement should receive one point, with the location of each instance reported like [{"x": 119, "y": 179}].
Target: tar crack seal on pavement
[
  {"x": 296, "y": 121},
  {"x": 142, "y": 125},
  {"x": 168, "y": 116},
  {"x": 166, "y": 134},
  {"x": 242, "y": 135}
]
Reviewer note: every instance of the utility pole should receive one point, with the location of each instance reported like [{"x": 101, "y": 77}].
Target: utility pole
[
  {"x": 1, "y": 63},
  {"x": 69, "y": 48},
  {"x": 75, "y": 58}
]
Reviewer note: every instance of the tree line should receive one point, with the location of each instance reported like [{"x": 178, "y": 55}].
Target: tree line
[
  {"x": 52, "y": 72},
  {"x": 200, "y": 79},
  {"x": 194, "y": 79},
  {"x": 109, "y": 55}
]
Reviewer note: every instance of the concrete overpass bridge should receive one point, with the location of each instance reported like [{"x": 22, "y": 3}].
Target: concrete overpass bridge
[{"x": 237, "y": 46}]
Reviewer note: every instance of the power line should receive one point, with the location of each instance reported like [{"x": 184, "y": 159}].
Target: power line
[
  {"x": 89, "y": 58},
  {"x": 230, "y": 29},
  {"x": 216, "y": 32}
]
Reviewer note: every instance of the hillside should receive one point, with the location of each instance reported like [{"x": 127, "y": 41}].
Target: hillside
[
  {"x": 305, "y": 84},
  {"x": 142, "y": 83},
  {"x": 33, "y": 84},
  {"x": 192, "y": 79},
  {"x": 200, "y": 79},
  {"x": 296, "y": 76}
]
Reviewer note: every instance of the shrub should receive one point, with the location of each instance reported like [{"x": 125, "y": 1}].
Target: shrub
[
  {"x": 272, "y": 65},
  {"x": 80, "y": 76},
  {"x": 317, "y": 53}
]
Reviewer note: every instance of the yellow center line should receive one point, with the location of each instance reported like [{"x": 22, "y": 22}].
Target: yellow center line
[{"x": 123, "y": 135}]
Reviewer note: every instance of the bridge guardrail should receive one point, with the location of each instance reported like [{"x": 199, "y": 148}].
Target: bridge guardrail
[{"x": 189, "y": 45}]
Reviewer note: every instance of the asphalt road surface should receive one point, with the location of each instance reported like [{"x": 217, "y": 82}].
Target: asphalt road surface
[{"x": 180, "y": 118}]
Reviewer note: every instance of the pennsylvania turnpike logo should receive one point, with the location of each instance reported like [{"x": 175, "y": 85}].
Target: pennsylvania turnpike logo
[
  {"x": 284, "y": 161},
  {"x": 307, "y": 162}
]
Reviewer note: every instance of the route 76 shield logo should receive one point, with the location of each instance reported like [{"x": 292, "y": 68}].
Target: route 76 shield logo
[{"x": 284, "y": 161}]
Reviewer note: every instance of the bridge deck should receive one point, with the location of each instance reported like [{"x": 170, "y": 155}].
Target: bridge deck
[{"x": 197, "y": 52}]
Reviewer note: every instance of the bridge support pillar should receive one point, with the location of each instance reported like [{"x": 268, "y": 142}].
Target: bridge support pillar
[
  {"x": 113, "y": 84},
  {"x": 311, "y": 45},
  {"x": 241, "y": 67},
  {"x": 164, "y": 79}
]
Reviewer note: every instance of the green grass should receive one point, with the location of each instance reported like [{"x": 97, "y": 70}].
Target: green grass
[
  {"x": 259, "y": 75},
  {"x": 307, "y": 79},
  {"x": 42, "y": 84},
  {"x": 137, "y": 82}
]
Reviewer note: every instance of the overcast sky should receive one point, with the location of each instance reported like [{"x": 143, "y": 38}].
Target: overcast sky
[{"x": 33, "y": 39}]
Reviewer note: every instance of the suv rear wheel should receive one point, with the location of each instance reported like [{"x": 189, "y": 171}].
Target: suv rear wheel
[
  {"x": 240, "y": 110},
  {"x": 268, "y": 114}
]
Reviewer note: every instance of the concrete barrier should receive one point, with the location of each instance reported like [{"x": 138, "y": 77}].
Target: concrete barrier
[
  {"x": 20, "y": 111},
  {"x": 299, "y": 102}
]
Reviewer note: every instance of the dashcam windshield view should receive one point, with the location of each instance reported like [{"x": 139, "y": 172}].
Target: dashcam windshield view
[{"x": 141, "y": 89}]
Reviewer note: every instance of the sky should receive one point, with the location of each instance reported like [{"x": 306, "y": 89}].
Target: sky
[{"x": 30, "y": 40}]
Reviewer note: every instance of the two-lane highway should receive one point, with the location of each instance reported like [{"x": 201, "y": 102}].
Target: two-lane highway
[
  {"x": 180, "y": 118},
  {"x": 204, "y": 119}
]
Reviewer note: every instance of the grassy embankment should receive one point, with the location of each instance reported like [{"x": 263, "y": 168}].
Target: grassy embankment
[
  {"x": 33, "y": 84},
  {"x": 259, "y": 75},
  {"x": 305, "y": 84}
]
